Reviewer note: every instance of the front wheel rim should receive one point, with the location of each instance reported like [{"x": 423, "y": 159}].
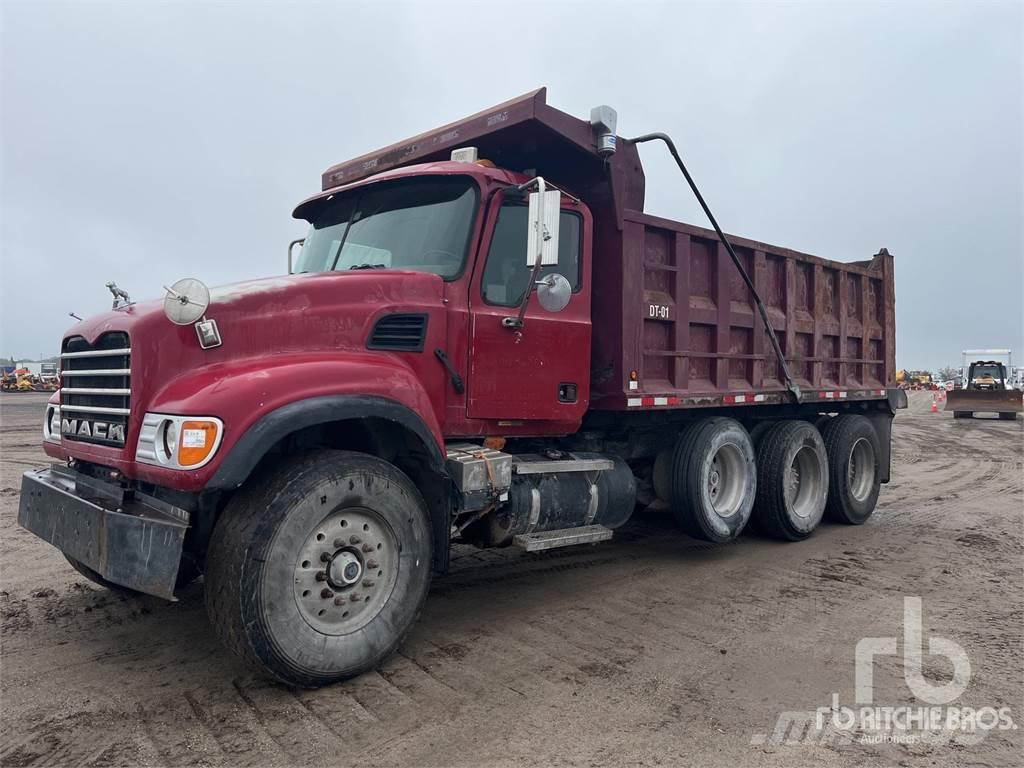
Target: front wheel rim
[
  {"x": 345, "y": 571},
  {"x": 861, "y": 470}
]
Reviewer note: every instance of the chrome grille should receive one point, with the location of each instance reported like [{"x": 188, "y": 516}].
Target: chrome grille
[{"x": 95, "y": 393}]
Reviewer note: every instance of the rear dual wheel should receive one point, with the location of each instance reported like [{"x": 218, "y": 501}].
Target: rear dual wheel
[
  {"x": 713, "y": 479},
  {"x": 799, "y": 476},
  {"x": 854, "y": 468},
  {"x": 792, "y": 480}
]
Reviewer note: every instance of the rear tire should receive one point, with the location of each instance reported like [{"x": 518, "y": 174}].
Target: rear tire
[
  {"x": 758, "y": 431},
  {"x": 853, "y": 469},
  {"x": 714, "y": 479},
  {"x": 316, "y": 572},
  {"x": 792, "y": 481},
  {"x": 1008, "y": 416}
]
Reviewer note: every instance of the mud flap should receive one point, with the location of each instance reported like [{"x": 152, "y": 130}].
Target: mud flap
[
  {"x": 984, "y": 400},
  {"x": 128, "y": 538}
]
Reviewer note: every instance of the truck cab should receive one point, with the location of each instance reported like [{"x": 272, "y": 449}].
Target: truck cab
[{"x": 467, "y": 224}]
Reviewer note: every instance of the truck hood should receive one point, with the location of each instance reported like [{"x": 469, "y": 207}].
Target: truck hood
[
  {"x": 292, "y": 313},
  {"x": 297, "y": 323},
  {"x": 309, "y": 314}
]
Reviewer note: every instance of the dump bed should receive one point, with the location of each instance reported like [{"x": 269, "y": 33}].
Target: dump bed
[
  {"x": 673, "y": 323},
  {"x": 686, "y": 324}
]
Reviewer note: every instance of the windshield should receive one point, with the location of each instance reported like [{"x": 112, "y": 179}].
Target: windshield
[
  {"x": 992, "y": 371},
  {"x": 418, "y": 224}
]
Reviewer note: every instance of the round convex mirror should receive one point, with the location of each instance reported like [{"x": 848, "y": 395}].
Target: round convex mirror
[
  {"x": 554, "y": 292},
  {"x": 186, "y": 301}
]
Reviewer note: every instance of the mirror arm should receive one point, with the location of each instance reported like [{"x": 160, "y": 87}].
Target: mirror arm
[
  {"x": 291, "y": 245},
  {"x": 520, "y": 320}
]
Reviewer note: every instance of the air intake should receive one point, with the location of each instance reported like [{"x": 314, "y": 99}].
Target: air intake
[{"x": 399, "y": 333}]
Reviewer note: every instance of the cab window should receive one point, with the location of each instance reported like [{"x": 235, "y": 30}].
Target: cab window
[{"x": 506, "y": 273}]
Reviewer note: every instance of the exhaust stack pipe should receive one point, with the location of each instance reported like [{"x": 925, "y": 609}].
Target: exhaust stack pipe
[{"x": 603, "y": 120}]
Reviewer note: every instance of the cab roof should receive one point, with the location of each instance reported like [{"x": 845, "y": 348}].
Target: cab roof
[{"x": 441, "y": 168}]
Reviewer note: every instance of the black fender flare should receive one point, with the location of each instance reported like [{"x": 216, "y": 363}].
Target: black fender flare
[
  {"x": 279, "y": 423},
  {"x": 272, "y": 427}
]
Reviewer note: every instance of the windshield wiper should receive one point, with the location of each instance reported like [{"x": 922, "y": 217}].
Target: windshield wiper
[{"x": 369, "y": 266}]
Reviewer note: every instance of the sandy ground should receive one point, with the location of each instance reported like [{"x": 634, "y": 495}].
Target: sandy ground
[{"x": 649, "y": 649}]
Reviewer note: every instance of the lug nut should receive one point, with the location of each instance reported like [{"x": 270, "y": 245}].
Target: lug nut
[
  {"x": 325, "y": 557},
  {"x": 367, "y": 547},
  {"x": 339, "y": 543},
  {"x": 354, "y": 540},
  {"x": 326, "y": 594},
  {"x": 368, "y": 583},
  {"x": 354, "y": 598},
  {"x": 321, "y": 576},
  {"x": 339, "y": 601},
  {"x": 372, "y": 564}
]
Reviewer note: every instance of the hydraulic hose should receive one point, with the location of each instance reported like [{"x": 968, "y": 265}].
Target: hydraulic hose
[{"x": 791, "y": 385}]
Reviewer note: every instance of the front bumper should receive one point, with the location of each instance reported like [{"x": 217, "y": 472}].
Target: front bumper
[{"x": 127, "y": 537}]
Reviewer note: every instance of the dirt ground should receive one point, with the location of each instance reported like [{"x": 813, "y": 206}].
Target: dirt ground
[{"x": 649, "y": 649}]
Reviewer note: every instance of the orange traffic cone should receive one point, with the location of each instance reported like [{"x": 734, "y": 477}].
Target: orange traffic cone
[{"x": 935, "y": 405}]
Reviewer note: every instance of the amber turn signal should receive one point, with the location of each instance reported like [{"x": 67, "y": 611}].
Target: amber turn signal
[{"x": 196, "y": 442}]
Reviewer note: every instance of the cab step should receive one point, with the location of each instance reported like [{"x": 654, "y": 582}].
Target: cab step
[{"x": 563, "y": 537}]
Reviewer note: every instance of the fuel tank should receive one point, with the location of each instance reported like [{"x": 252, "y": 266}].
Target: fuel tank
[{"x": 590, "y": 489}]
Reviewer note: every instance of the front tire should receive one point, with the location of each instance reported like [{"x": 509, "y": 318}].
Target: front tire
[
  {"x": 316, "y": 573},
  {"x": 854, "y": 474},
  {"x": 714, "y": 479},
  {"x": 963, "y": 414}
]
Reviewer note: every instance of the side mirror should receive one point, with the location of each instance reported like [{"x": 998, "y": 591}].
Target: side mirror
[
  {"x": 542, "y": 228},
  {"x": 291, "y": 251},
  {"x": 554, "y": 292},
  {"x": 541, "y": 249}
]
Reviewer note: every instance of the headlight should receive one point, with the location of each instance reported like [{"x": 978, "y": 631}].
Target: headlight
[
  {"x": 169, "y": 438},
  {"x": 51, "y": 424},
  {"x": 178, "y": 442}
]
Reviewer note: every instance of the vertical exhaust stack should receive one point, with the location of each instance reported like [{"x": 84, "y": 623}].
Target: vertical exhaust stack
[{"x": 603, "y": 120}]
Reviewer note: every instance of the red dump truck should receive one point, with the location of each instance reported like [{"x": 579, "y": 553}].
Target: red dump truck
[{"x": 483, "y": 339}]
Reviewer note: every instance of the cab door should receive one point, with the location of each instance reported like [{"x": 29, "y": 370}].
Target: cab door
[{"x": 540, "y": 372}]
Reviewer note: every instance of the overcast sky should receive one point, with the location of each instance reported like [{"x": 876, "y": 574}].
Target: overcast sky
[{"x": 145, "y": 142}]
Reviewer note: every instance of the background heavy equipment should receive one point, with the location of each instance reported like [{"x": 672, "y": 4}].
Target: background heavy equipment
[
  {"x": 984, "y": 387},
  {"x": 914, "y": 379}
]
